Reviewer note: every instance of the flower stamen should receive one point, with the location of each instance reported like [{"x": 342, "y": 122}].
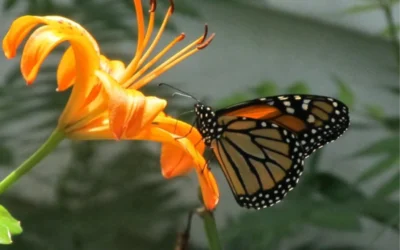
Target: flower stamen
[
  {"x": 131, "y": 82},
  {"x": 139, "y": 59},
  {"x": 177, "y": 58}
]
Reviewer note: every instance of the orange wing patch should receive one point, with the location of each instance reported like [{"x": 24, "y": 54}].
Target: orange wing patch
[
  {"x": 256, "y": 112},
  {"x": 290, "y": 122}
]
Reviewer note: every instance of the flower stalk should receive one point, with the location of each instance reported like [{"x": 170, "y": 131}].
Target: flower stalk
[
  {"x": 55, "y": 138},
  {"x": 210, "y": 226}
]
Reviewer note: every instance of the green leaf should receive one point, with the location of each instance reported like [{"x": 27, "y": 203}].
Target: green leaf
[
  {"x": 375, "y": 112},
  {"x": 336, "y": 189},
  {"x": 6, "y": 155},
  {"x": 379, "y": 168},
  {"x": 8, "y": 4},
  {"x": 265, "y": 88},
  {"x": 298, "y": 88},
  {"x": 345, "y": 94},
  {"x": 343, "y": 248},
  {"x": 393, "y": 89},
  {"x": 389, "y": 145},
  {"x": 8, "y": 226},
  {"x": 363, "y": 8},
  {"x": 387, "y": 32},
  {"x": 391, "y": 186},
  {"x": 391, "y": 122},
  {"x": 334, "y": 216},
  {"x": 382, "y": 211}
]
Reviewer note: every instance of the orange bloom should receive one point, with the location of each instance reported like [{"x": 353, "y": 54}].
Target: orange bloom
[
  {"x": 105, "y": 102},
  {"x": 182, "y": 150}
]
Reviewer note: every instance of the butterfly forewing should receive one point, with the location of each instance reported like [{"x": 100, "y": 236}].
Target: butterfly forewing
[
  {"x": 316, "y": 120},
  {"x": 261, "y": 160}
]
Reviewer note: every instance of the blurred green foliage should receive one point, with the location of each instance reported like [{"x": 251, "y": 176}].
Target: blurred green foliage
[
  {"x": 124, "y": 202},
  {"x": 8, "y": 226}
]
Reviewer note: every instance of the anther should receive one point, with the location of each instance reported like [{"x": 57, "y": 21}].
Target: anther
[
  {"x": 153, "y": 6},
  {"x": 206, "y": 42},
  {"x": 205, "y": 34},
  {"x": 172, "y": 5},
  {"x": 181, "y": 37}
]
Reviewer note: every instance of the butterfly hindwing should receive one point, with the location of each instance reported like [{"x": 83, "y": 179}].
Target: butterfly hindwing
[
  {"x": 316, "y": 120},
  {"x": 261, "y": 160}
]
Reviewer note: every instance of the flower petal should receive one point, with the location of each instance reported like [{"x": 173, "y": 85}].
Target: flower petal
[
  {"x": 17, "y": 32},
  {"x": 209, "y": 188},
  {"x": 66, "y": 71},
  {"x": 143, "y": 117},
  {"x": 129, "y": 110},
  {"x": 181, "y": 129},
  {"x": 175, "y": 161},
  {"x": 42, "y": 41},
  {"x": 115, "y": 68}
]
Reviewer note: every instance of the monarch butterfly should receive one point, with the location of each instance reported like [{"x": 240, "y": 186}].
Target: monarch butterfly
[{"x": 261, "y": 144}]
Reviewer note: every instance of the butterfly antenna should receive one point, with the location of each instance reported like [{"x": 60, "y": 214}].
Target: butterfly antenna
[{"x": 180, "y": 92}]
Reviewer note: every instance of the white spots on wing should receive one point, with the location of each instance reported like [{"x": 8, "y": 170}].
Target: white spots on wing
[
  {"x": 313, "y": 131},
  {"x": 286, "y": 103},
  {"x": 263, "y": 99},
  {"x": 311, "y": 118},
  {"x": 304, "y": 106},
  {"x": 335, "y": 104},
  {"x": 282, "y": 98},
  {"x": 297, "y": 97},
  {"x": 263, "y": 124},
  {"x": 306, "y": 101},
  {"x": 290, "y": 110}
]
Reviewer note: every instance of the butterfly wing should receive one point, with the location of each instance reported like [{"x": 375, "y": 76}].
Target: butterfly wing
[
  {"x": 316, "y": 120},
  {"x": 261, "y": 160}
]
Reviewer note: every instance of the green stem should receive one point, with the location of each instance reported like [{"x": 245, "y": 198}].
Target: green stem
[
  {"x": 386, "y": 7},
  {"x": 55, "y": 138},
  {"x": 211, "y": 229},
  {"x": 209, "y": 225}
]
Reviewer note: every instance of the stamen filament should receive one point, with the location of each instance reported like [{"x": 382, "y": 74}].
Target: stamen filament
[
  {"x": 170, "y": 63},
  {"x": 139, "y": 48},
  {"x": 158, "y": 36},
  {"x": 153, "y": 61},
  {"x": 198, "y": 42}
]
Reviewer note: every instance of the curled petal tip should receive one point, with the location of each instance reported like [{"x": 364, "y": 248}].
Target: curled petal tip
[{"x": 8, "y": 54}]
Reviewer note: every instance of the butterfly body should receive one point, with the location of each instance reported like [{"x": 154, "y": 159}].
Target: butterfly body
[{"x": 261, "y": 144}]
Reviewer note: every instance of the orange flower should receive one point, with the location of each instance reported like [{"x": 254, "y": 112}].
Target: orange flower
[
  {"x": 182, "y": 150},
  {"x": 105, "y": 102}
]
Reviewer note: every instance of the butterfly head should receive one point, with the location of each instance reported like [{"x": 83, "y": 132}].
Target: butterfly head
[{"x": 206, "y": 122}]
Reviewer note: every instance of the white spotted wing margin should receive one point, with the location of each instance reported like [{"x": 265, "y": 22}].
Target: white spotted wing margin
[
  {"x": 317, "y": 120},
  {"x": 261, "y": 160}
]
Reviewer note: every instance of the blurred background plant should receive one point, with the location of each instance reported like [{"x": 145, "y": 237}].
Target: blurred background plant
[{"x": 106, "y": 195}]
